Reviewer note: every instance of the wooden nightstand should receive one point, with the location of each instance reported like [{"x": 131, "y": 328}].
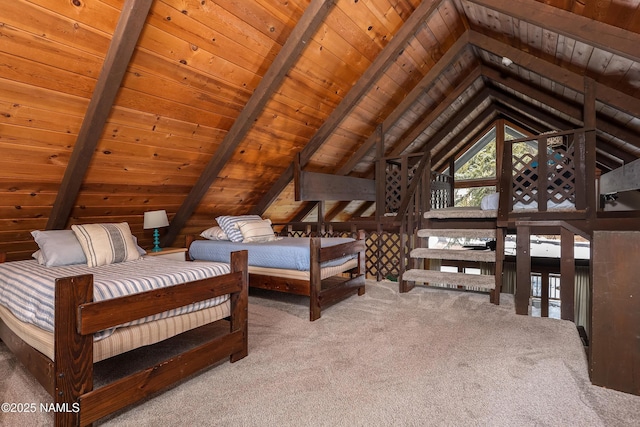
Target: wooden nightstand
[{"x": 178, "y": 254}]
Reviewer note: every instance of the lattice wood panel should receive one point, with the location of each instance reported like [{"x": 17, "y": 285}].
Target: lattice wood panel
[
  {"x": 393, "y": 184},
  {"x": 393, "y": 188},
  {"x": 561, "y": 175},
  {"x": 525, "y": 178},
  {"x": 382, "y": 253},
  {"x": 558, "y": 179}
]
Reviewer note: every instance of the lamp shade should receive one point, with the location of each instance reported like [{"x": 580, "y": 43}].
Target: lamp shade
[{"x": 156, "y": 219}]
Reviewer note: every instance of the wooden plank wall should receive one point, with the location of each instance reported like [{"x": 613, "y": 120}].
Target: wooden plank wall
[{"x": 194, "y": 68}]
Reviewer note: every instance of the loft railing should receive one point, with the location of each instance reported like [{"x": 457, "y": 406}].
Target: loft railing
[{"x": 552, "y": 175}]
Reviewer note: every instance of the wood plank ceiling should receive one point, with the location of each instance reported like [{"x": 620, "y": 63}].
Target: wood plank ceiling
[{"x": 202, "y": 113}]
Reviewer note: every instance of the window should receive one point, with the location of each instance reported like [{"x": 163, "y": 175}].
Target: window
[
  {"x": 479, "y": 161},
  {"x": 476, "y": 170}
]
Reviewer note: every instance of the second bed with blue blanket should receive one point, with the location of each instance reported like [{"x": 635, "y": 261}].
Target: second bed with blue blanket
[
  {"x": 324, "y": 269},
  {"x": 289, "y": 253}
]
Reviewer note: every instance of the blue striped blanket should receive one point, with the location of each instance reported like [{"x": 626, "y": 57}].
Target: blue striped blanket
[{"x": 27, "y": 288}]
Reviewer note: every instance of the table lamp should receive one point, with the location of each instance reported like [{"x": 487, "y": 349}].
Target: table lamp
[{"x": 155, "y": 220}]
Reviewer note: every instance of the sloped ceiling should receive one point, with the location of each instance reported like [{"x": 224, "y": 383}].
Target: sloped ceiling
[{"x": 112, "y": 108}]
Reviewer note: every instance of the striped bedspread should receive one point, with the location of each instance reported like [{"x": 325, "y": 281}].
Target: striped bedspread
[{"x": 27, "y": 288}]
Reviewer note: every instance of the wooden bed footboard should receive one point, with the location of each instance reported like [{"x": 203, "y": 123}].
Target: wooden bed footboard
[
  {"x": 321, "y": 292},
  {"x": 69, "y": 378},
  {"x": 325, "y": 292}
]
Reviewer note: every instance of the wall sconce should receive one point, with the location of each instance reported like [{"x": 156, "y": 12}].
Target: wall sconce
[
  {"x": 155, "y": 220},
  {"x": 506, "y": 61}
]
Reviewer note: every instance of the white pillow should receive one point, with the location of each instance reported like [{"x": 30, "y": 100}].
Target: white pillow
[
  {"x": 256, "y": 231},
  {"x": 106, "y": 243},
  {"x": 58, "y": 247},
  {"x": 37, "y": 255},
  {"x": 214, "y": 233}
]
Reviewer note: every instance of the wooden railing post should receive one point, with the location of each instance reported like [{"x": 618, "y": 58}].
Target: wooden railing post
[
  {"x": 523, "y": 269},
  {"x": 506, "y": 182},
  {"x": 544, "y": 294},
  {"x": 567, "y": 274},
  {"x": 541, "y": 195},
  {"x": 499, "y": 266}
]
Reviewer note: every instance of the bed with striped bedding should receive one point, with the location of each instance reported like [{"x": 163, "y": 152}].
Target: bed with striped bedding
[
  {"x": 27, "y": 288},
  {"x": 78, "y": 311}
]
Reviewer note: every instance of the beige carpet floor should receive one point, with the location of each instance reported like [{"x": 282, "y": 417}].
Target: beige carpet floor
[{"x": 426, "y": 358}]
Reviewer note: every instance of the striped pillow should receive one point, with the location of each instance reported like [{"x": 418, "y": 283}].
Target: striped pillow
[
  {"x": 256, "y": 231},
  {"x": 106, "y": 243},
  {"x": 229, "y": 225}
]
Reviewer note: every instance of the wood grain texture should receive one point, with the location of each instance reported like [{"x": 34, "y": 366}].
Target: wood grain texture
[{"x": 197, "y": 64}]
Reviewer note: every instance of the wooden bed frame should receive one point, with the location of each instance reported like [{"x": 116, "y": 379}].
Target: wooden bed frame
[
  {"x": 69, "y": 378},
  {"x": 321, "y": 292}
]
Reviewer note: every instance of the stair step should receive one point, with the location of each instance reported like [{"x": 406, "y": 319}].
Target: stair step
[
  {"x": 458, "y": 233},
  {"x": 455, "y": 254},
  {"x": 483, "y": 281},
  {"x": 461, "y": 213}
]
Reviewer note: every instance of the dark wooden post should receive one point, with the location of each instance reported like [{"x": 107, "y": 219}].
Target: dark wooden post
[
  {"x": 72, "y": 379},
  {"x": 567, "y": 274},
  {"x": 506, "y": 182},
  {"x": 541, "y": 195},
  {"x": 315, "y": 280},
  {"x": 590, "y": 146},
  {"x": 544, "y": 294},
  {"x": 381, "y": 176},
  {"x": 499, "y": 267},
  {"x": 580, "y": 160},
  {"x": 239, "y": 316},
  {"x": 320, "y": 207},
  {"x": 523, "y": 269},
  {"x": 452, "y": 172}
]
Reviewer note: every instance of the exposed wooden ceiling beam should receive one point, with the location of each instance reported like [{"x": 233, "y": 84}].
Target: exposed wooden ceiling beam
[
  {"x": 595, "y": 33},
  {"x": 442, "y": 133},
  {"x": 468, "y": 109},
  {"x": 516, "y": 84},
  {"x": 306, "y": 27},
  {"x": 525, "y": 123},
  {"x": 606, "y": 162},
  {"x": 337, "y": 209},
  {"x": 362, "y": 209},
  {"x": 427, "y": 81},
  {"x": 555, "y": 103},
  {"x": 563, "y": 76},
  {"x": 125, "y": 37},
  {"x": 404, "y": 141},
  {"x": 509, "y": 106},
  {"x": 460, "y": 115},
  {"x": 534, "y": 123},
  {"x": 481, "y": 122},
  {"x": 528, "y": 109},
  {"x": 493, "y": 112},
  {"x": 388, "y": 54},
  {"x": 517, "y": 117}
]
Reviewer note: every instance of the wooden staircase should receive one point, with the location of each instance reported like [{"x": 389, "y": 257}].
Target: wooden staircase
[{"x": 479, "y": 282}]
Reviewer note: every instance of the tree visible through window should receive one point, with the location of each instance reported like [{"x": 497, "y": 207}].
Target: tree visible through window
[
  {"x": 478, "y": 163},
  {"x": 475, "y": 170}
]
